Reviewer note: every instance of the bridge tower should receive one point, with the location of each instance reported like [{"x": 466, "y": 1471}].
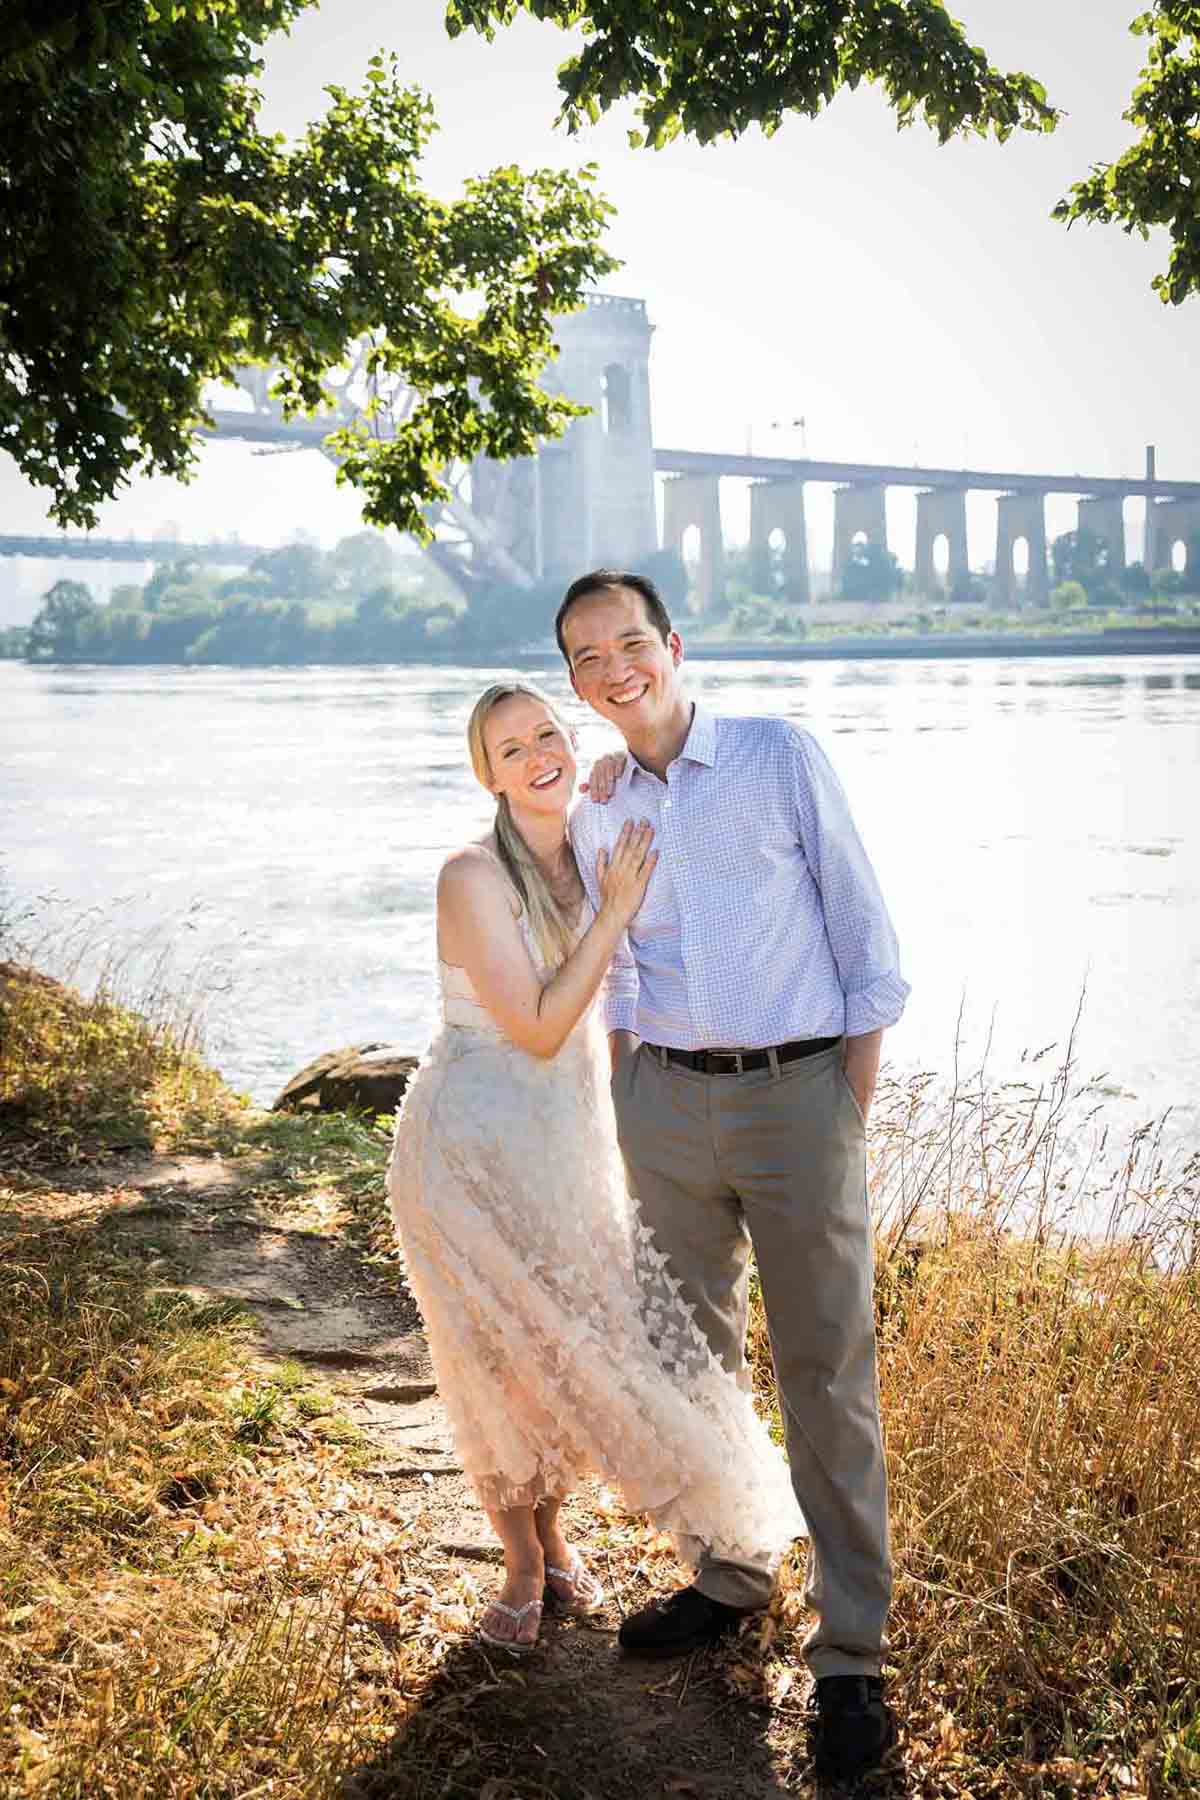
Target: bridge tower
[
  {"x": 1105, "y": 516},
  {"x": 1171, "y": 522},
  {"x": 1021, "y": 516},
  {"x": 587, "y": 498},
  {"x": 778, "y": 506},
  {"x": 941, "y": 512},
  {"x": 857, "y": 511},
  {"x": 696, "y": 500}
]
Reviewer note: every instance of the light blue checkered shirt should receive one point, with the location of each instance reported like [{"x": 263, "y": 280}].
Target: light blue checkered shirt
[{"x": 763, "y": 921}]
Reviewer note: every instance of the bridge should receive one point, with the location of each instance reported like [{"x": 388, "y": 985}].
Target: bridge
[
  {"x": 589, "y": 497},
  {"x": 89, "y": 547},
  {"x": 777, "y": 512}
]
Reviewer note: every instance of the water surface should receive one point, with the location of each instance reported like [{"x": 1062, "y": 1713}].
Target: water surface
[{"x": 1035, "y": 824}]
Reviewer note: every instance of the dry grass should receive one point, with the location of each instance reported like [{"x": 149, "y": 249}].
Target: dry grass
[
  {"x": 182, "y": 1554},
  {"x": 201, "y": 1596},
  {"x": 83, "y": 1074},
  {"x": 1041, "y": 1402}
]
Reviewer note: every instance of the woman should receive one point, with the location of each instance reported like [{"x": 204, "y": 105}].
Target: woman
[{"x": 557, "y": 1334}]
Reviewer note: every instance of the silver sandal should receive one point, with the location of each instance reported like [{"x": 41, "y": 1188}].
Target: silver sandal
[
  {"x": 586, "y": 1596},
  {"x": 516, "y": 1614}
]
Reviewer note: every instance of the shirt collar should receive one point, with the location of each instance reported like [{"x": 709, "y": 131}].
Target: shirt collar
[
  {"x": 701, "y": 742},
  {"x": 700, "y": 745}
]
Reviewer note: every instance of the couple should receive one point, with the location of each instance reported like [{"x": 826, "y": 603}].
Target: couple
[{"x": 579, "y": 1242}]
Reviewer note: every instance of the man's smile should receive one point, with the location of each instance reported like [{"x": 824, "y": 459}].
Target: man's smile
[{"x": 628, "y": 695}]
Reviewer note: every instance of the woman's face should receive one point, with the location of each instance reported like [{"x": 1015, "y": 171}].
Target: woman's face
[{"x": 530, "y": 756}]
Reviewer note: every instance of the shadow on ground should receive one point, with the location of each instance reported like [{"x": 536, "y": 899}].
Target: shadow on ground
[{"x": 574, "y": 1721}]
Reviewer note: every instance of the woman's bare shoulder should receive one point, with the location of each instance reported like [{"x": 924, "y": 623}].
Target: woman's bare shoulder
[{"x": 474, "y": 873}]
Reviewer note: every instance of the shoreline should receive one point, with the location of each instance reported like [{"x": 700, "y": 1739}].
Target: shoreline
[
  {"x": 939, "y": 646},
  {"x": 1147, "y": 642}
]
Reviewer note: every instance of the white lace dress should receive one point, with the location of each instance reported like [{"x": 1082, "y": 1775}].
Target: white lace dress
[{"x": 558, "y": 1338}]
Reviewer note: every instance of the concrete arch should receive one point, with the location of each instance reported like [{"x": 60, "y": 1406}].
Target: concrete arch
[
  {"x": 1168, "y": 523},
  {"x": 1021, "y": 516},
  {"x": 941, "y": 512},
  {"x": 1106, "y": 518},
  {"x": 596, "y": 501},
  {"x": 778, "y": 506},
  {"x": 696, "y": 500},
  {"x": 616, "y": 402},
  {"x": 857, "y": 511}
]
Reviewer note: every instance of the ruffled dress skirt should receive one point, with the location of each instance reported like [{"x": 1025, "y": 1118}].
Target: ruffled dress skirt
[{"x": 559, "y": 1340}]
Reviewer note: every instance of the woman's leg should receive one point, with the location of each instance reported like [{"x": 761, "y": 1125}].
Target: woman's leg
[
  {"x": 524, "y": 1575},
  {"x": 574, "y": 1586},
  {"x": 555, "y": 1547}
]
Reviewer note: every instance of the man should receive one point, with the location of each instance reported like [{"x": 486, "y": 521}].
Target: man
[{"x": 745, "y": 1025}]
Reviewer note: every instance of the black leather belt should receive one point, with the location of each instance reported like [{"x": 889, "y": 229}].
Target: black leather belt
[{"x": 740, "y": 1062}]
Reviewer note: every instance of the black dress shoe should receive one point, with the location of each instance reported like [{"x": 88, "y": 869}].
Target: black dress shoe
[
  {"x": 854, "y": 1726},
  {"x": 681, "y": 1622}
]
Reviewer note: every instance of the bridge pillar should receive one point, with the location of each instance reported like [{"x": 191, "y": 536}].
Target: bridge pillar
[
  {"x": 1170, "y": 522},
  {"x": 255, "y": 380},
  {"x": 596, "y": 484},
  {"x": 779, "y": 506},
  {"x": 855, "y": 510},
  {"x": 1105, "y": 516},
  {"x": 941, "y": 512},
  {"x": 1021, "y": 516},
  {"x": 696, "y": 500}
]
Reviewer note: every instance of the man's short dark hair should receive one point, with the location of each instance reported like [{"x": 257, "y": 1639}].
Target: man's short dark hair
[{"x": 602, "y": 581}]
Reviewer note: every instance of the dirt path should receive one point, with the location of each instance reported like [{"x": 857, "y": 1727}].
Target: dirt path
[{"x": 577, "y": 1721}]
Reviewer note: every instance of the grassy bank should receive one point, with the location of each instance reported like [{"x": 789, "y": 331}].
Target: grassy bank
[
  {"x": 766, "y": 620},
  {"x": 206, "y": 1593}
]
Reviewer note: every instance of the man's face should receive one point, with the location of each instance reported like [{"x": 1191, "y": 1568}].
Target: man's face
[{"x": 619, "y": 663}]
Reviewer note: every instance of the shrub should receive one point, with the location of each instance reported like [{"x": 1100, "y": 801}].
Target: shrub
[{"x": 1106, "y": 597}]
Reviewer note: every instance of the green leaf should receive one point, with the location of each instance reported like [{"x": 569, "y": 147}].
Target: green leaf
[{"x": 199, "y": 244}]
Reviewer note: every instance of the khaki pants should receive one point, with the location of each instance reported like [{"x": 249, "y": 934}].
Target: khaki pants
[{"x": 776, "y": 1158}]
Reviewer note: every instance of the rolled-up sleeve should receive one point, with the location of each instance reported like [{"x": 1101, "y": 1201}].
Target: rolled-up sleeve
[
  {"x": 619, "y": 993},
  {"x": 860, "y": 932},
  {"x": 619, "y": 989}
]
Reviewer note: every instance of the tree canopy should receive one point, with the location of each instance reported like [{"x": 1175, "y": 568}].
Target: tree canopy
[
  {"x": 714, "y": 70},
  {"x": 153, "y": 238},
  {"x": 1157, "y": 180}
]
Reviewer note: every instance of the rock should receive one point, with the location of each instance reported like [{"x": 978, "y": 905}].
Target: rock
[{"x": 370, "y": 1077}]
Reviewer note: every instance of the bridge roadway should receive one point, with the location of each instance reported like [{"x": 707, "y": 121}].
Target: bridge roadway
[
  {"x": 82, "y": 547},
  {"x": 265, "y": 428},
  {"x": 269, "y": 429},
  {"x": 783, "y": 468}
]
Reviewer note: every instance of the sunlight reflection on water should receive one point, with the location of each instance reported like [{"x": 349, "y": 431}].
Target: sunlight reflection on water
[{"x": 1034, "y": 824}]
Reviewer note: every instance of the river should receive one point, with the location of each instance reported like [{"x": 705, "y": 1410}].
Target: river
[{"x": 1035, "y": 824}]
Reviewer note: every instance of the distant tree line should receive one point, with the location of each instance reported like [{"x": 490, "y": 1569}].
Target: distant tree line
[
  {"x": 358, "y": 603},
  {"x": 363, "y": 603},
  {"x": 758, "y": 598},
  {"x": 1087, "y": 574}
]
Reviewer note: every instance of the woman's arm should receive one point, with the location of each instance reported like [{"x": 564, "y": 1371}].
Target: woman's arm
[{"x": 479, "y": 932}]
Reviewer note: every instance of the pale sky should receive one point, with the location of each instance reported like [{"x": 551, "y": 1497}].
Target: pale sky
[{"x": 913, "y": 303}]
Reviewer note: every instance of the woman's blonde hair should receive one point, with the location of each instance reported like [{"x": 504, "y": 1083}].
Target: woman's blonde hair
[{"x": 552, "y": 932}]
